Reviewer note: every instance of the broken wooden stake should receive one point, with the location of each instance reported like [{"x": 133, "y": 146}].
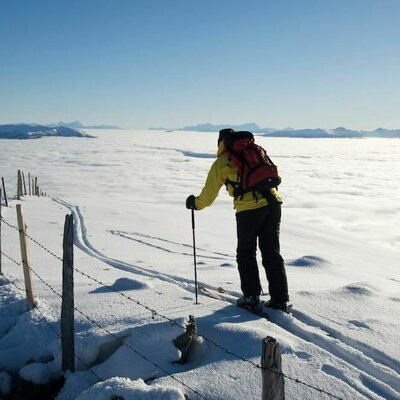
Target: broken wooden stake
[
  {"x": 184, "y": 342},
  {"x": 273, "y": 384}
]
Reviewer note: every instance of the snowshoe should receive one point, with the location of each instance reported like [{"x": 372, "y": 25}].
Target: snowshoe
[
  {"x": 269, "y": 304},
  {"x": 249, "y": 303}
]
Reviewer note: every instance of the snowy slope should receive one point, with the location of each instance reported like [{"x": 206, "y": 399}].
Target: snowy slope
[
  {"x": 134, "y": 269},
  {"x": 24, "y": 131}
]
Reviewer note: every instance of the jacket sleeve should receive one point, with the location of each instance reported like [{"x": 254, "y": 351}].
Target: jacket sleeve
[{"x": 215, "y": 180}]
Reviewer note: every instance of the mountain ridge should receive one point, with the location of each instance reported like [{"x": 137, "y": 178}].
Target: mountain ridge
[
  {"x": 79, "y": 125},
  {"x": 339, "y": 132},
  {"x": 27, "y": 131}
]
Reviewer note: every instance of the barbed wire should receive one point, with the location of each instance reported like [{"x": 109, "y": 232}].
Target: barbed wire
[
  {"x": 118, "y": 338},
  {"x": 153, "y": 312},
  {"x": 37, "y": 308},
  {"x": 10, "y": 258},
  {"x": 32, "y": 239},
  {"x": 171, "y": 320},
  {"x": 4, "y": 277}
]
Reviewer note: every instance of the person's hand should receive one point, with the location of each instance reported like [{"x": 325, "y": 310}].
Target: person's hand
[{"x": 191, "y": 202}]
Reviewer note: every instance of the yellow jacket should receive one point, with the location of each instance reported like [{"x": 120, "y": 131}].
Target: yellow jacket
[{"x": 221, "y": 171}]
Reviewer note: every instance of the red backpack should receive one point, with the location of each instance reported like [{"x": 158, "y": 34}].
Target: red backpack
[{"x": 256, "y": 171}]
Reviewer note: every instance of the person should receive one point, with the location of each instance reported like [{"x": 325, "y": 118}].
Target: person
[{"x": 257, "y": 217}]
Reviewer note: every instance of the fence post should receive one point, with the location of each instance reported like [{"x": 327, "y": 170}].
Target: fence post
[
  {"x": 273, "y": 384},
  {"x": 36, "y": 188},
  {"x": 19, "y": 188},
  {"x": 4, "y": 190},
  {"x": 24, "y": 183},
  {"x": 25, "y": 258},
  {"x": 29, "y": 182},
  {"x": 67, "y": 307}
]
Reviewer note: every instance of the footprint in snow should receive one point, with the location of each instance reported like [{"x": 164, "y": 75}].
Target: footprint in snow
[
  {"x": 303, "y": 355},
  {"x": 360, "y": 289},
  {"x": 305, "y": 293},
  {"x": 395, "y": 299},
  {"x": 225, "y": 265},
  {"x": 331, "y": 370},
  {"x": 359, "y": 324}
]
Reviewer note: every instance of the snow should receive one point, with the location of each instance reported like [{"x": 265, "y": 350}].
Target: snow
[
  {"x": 130, "y": 390},
  {"x": 133, "y": 255}
]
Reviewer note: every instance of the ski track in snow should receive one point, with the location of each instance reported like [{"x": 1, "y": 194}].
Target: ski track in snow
[
  {"x": 82, "y": 242},
  {"x": 129, "y": 235},
  {"x": 380, "y": 379},
  {"x": 377, "y": 355},
  {"x": 379, "y": 372}
]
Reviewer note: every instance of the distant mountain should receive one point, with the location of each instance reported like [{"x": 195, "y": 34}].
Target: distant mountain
[
  {"x": 79, "y": 125},
  {"x": 335, "y": 133},
  {"x": 253, "y": 127},
  {"x": 384, "y": 133},
  {"x": 211, "y": 128},
  {"x": 24, "y": 131},
  {"x": 339, "y": 132},
  {"x": 316, "y": 133},
  {"x": 301, "y": 133}
]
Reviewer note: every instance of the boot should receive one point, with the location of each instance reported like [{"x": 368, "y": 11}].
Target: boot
[
  {"x": 248, "y": 302},
  {"x": 285, "y": 307}
]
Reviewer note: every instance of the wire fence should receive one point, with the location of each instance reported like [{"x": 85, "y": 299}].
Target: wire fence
[
  {"x": 37, "y": 308},
  {"x": 154, "y": 313}
]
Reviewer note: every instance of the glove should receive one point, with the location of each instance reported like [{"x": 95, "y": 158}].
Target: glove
[{"x": 191, "y": 202}]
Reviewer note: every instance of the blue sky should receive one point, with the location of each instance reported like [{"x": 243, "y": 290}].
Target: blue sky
[{"x": 298, "y": 63}]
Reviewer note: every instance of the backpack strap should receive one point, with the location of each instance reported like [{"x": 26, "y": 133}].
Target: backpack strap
[
  {"x": 271, "y": 199},
  {"x": 236, "y": 188},
  {"x": 255, "y": 197}
]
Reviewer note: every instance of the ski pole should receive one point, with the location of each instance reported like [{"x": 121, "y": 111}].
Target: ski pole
[{"x": 194, "y": 255}]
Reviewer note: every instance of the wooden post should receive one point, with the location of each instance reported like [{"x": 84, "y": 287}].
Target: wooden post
[
  {"x": 25, "y": 258},
  {"x": 67, "y": 307},
  {"x": 21, "y": 193},
  {"x": 29, "y": 182},
  {"x": 19, "y": 186},
  {"x": 4, "y": 191},
  {"x": 273, "y": 384},
  {"x": 184, "y": 341},
  {"x": 36, "y": 186},
  {"x": 23, "y": 181},
  {"x": 33, "y": 187}
]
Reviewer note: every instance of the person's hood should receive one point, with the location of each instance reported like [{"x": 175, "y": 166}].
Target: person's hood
[{"x": 221, "y": 148}]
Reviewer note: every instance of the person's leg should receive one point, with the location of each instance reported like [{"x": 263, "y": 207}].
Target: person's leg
[
  {"x": 271, "y": 257},
  {"x": 247, "y": 223}
]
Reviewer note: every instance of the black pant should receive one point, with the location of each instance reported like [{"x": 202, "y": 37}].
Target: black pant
[{"x": 262, "y": 223}]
